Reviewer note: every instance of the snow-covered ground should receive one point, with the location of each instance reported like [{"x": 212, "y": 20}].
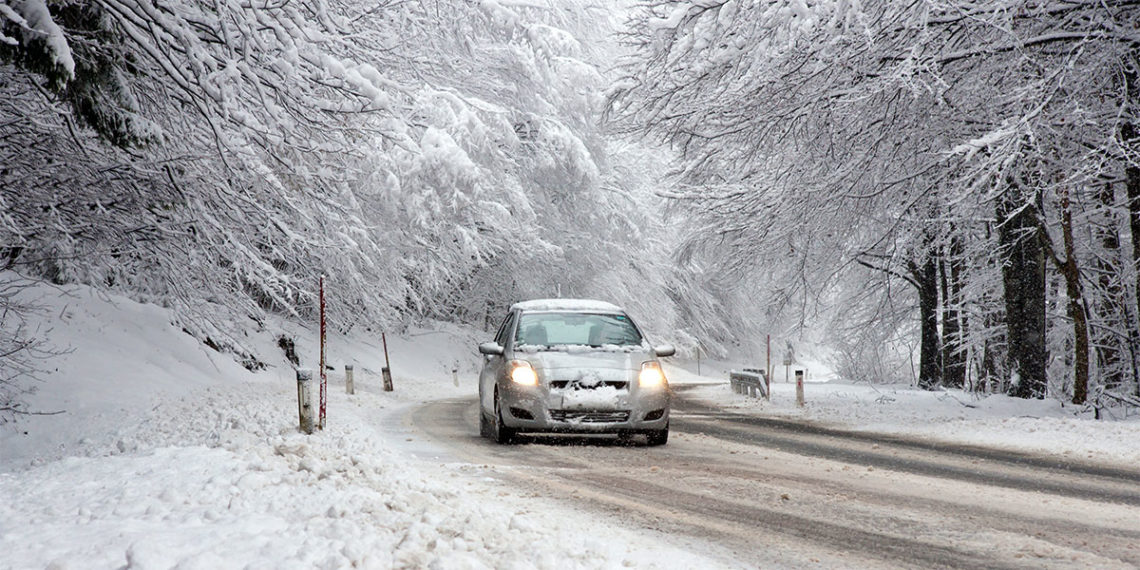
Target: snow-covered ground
[{"x": 165, "y": 454}]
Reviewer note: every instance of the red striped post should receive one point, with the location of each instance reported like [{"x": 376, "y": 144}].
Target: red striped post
[{"x": 324, "y": 375}]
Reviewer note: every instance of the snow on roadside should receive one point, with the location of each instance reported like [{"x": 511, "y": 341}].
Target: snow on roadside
[
  {"x": 953, "y": 416},
  {"x": 242, "y": 488},
  {"x": 169, "y": 456}
]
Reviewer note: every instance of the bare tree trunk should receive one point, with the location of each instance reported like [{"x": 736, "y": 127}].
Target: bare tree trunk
[
  {"x": 1076, "y": 308},
  {"x": 926, "y": 277},
  {"x": 1111, "y": 310},
  {"x": 1130, "y": 139},
  {"x": 1023, "y": 279},
  {"x": 953, "y": 321}
]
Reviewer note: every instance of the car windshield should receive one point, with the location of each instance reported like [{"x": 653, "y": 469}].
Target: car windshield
[{"x": 576, "y": 329}]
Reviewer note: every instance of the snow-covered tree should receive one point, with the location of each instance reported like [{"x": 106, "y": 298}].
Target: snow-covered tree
[
  {"x": 433, "y": 158},
  {"x": 852, "y": 147}
]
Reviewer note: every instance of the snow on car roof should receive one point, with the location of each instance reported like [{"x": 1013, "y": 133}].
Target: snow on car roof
[{"x": 567, "y": 305}]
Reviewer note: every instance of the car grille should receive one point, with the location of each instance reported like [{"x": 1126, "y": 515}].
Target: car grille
[
  {"x": 589, "y": 417},
  {"x": 563, "y": 384}
]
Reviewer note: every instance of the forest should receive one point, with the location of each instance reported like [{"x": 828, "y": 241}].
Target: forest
[{"x": 939, "y": 191}]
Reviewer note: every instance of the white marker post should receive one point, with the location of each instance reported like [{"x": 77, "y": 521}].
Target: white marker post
[
  {"x": 348, "y": 385},
  {"x": 304, "y": 399}
]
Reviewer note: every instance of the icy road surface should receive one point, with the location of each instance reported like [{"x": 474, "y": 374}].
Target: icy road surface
[{"x": 773, "y": 492}]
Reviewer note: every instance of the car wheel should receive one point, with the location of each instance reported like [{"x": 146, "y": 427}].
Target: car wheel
[
  {"x": 658, "y": 436},
  {"x": 501, "y": 433}
]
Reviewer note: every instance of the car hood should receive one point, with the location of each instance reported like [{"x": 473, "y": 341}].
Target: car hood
[{"x": 608, "y": 359}]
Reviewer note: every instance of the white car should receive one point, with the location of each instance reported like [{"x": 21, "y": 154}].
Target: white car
[{"x": 572, "y": 366}]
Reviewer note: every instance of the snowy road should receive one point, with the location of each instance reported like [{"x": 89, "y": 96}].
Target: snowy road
[
  {"x": 773, "y": 492},
  {"x": 169, "y": 456}
]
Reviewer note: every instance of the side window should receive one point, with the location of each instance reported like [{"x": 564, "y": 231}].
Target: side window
[{"x": 504, "y": 330}]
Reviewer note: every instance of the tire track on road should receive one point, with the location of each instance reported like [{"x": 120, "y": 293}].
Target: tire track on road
[
  {"x": 988, "y": 466},
  {"x": 918, "y": 507}
]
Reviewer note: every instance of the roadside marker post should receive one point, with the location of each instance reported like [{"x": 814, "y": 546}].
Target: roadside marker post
[
  {"x": 386, "y": 372},
  {"x": 304, "y": 399},
  {"x": 789, "y": 360},
  {"x": 768, "y": 369},
  {"x": 799, "y": 388},
  {"x": 349, "y": 387},
  {"x": 768, "y": 363},
  {"x": 324, "y": 375}
]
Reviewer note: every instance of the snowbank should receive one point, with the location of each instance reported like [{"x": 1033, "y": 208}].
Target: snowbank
[{"x": 168, "y": 455}]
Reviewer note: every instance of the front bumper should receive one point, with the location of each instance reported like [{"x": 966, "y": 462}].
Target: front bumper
[{"x": 585, "y": 410}]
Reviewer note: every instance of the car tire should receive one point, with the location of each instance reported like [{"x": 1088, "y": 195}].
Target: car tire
[
  {"x": 658, "y": 436},
  {"x": 501, "y": 433}
]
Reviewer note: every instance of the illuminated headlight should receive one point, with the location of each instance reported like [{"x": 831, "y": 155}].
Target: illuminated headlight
[
  {"x": 651, "y": 375},
  {"x": 523, "y": 373}
]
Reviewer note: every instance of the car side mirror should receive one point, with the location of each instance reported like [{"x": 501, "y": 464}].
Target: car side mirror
[
  {"x": 491, "y": 349},
  {"x": 664, "y": 350}
]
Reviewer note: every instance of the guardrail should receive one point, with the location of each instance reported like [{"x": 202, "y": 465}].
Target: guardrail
[{"x": 750, "y": 382}]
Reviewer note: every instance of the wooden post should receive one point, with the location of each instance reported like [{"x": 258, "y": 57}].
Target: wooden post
[
  {"x": 789, "y": 359},
  {"x": 304, "y": 401},
  {"x": 387, "y": 370},
  {"x": 348, "y": 385},
  {"x": 799, "y": 388},
  {"x": 698, "y": 359},
  {"x": 324, "y": 376},
  {"x": 768, "y": 364}
]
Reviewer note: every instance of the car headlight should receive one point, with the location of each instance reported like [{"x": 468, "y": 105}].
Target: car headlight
[
  {"x": 523, "y": 373},
  {"x": 651, "y": 374}
]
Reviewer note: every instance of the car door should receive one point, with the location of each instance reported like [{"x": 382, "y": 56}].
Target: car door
[{"x": 493, "y": 365}]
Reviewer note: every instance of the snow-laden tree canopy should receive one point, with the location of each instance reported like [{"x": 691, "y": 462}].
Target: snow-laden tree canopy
[
  {"x": 844, "y": 165},
  {"x": 432, "y": 158},
  {"x": 977, "y": 160}
]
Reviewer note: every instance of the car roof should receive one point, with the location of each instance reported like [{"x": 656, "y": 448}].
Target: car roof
[{"x": 576, "y": 305}]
